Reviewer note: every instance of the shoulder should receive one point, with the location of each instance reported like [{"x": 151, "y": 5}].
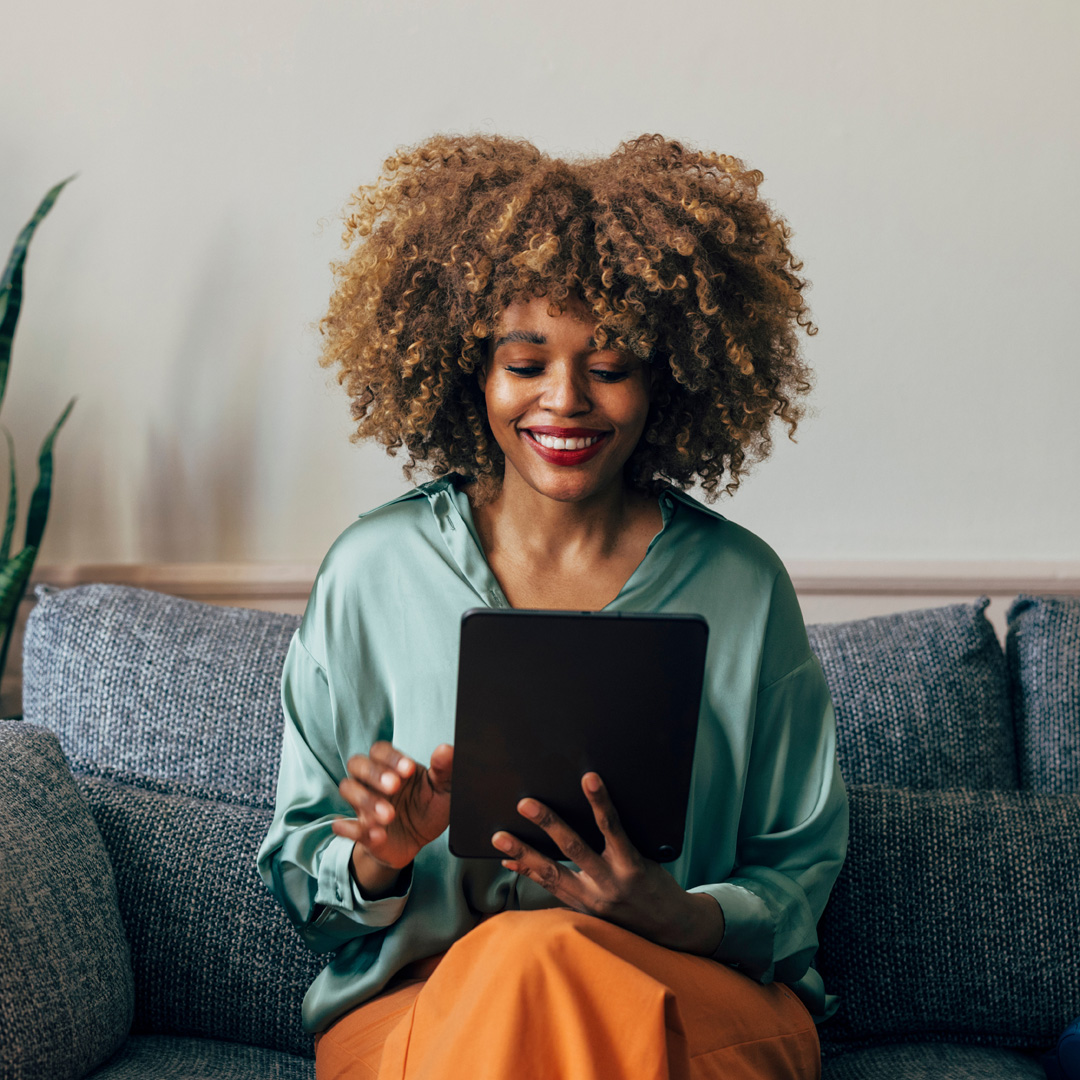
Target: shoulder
[
  {"x": 372, "y": 550},
  {"x": 385, "y": 529},
  {"x": 726, "y": 539},
  {"x": 755, "y": 582}
]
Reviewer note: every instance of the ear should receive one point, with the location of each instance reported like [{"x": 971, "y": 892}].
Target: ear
[{"x": 482, "y": 374}]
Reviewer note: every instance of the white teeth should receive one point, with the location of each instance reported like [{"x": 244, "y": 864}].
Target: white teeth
[{"x": 553, "y": 443}]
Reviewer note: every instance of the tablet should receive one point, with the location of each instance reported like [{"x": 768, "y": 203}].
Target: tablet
[{"x": 544, "y": 697}]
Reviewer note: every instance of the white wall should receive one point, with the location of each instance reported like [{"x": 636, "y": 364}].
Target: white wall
[{"x": 925, "y": 152}]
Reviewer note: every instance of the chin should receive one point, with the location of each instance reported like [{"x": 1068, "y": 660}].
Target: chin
[{"x": 567, "y": 488}]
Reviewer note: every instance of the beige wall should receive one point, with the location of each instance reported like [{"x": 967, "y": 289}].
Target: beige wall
[{"x": 926, "y": 154}]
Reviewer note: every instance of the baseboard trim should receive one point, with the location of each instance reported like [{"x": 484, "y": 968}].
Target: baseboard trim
[{"x": 195, "y": 581}]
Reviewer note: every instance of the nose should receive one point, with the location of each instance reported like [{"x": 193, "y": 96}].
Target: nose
[{"x": 565, "y": 391}]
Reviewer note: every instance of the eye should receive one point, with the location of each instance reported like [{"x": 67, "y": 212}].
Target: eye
[
  {"x": 608, "y": 376},
  {"x": 524, "y": 370}
]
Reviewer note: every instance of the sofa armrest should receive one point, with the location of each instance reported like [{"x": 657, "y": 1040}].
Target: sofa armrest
[{"x": 66, "y": 986}]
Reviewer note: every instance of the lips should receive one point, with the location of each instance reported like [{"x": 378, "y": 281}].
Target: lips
[{"x": 556, "y": 456}]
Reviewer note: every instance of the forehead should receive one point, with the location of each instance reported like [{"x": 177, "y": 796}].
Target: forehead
[{"x": 530, "y": 321}]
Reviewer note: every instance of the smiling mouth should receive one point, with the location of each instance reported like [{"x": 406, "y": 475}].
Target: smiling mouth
[
  {"x": 569, "y": 447},
  {"x": 554, "y": 442}
]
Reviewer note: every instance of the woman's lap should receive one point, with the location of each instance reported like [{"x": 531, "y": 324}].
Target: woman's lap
[{"x": 555, "y": 994}]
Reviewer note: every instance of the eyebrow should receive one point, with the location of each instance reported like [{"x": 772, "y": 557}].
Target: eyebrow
[{"x": 527, "y": 337}]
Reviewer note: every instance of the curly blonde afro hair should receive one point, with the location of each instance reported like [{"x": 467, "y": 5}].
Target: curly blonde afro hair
[{"x": 679, "y": 259}]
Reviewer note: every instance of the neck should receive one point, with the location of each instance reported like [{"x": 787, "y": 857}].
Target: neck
[{"x": 550, "y": 530}]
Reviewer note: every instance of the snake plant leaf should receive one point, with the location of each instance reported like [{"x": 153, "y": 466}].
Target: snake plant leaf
[
  {"x": 9, "y": 525},
  {"x": 14, "y": 574},
  {"x": 12, "y": 281},
  {"x": 10, "y": 303},
  {"x": 39, "y": 501}
]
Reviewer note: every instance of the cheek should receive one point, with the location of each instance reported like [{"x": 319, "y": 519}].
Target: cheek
[
  {"x": 504, "y": 400},
  {"x": 635, "y": 405}
]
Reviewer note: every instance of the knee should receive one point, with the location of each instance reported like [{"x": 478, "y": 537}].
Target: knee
[{"x": 521, "y": 938}]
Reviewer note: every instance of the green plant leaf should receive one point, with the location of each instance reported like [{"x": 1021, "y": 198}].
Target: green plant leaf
[
  {"x": 10, "y": 303},
  {"x": 14, "y": 575},
  {"x": 12, "y": 281},
  {"x": 39, "y": 501},
  {"x": 9, "y": 525}
]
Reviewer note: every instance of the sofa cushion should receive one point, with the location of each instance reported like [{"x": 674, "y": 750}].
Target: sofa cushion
[
  {"x": 161, "y": 1057},
  {"x": 213, "y": 952},
  {"x": 956, "y": 912},
  {"x": 1043, "y": 649},
  {"x": 921, "y": 698},
  {"x": 66, "y": 991},
  {"x": 158, "y": 686},
  {"x": 933, "y": 1061}
]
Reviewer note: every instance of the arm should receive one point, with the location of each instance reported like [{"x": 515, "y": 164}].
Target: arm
[
  {"x": 792, "y": 833},
  {"x": 302, "y": 861}
]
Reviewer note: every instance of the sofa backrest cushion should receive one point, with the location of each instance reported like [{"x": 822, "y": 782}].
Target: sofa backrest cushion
[
  {"x": 158, "y": 686},
  {"x": 955, "y": 911},
  {"x": 1042, "y": 645},
  {"x": 213, "y": 952},
  {"x": 66, "y": 988},
  {"x": 921, "y": 698}
]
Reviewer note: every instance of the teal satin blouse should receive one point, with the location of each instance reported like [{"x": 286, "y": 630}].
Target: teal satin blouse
[{"x": 375, "y": 657}]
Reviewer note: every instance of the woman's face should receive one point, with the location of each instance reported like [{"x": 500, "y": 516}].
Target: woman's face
[{"x": 566, "y": 415}]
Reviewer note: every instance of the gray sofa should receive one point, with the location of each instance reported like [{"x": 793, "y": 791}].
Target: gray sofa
[{"x": 137, "y": 940}]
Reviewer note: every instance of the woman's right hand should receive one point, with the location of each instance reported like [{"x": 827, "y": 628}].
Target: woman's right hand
[{"x": 400, "y": 806}]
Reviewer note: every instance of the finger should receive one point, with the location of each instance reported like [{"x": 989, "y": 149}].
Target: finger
[
  {"x": 569, "y": 843},
  {"x": 369, "y": 836},
  {"x": 616, "y": 842},
  {"x": 389, "y": 756},
  {"x": 528, "y": 862},
  {"x": 373, "y": 772},
  {"x": 441, "y": 767},
  {"x": 365, "y": 801}
]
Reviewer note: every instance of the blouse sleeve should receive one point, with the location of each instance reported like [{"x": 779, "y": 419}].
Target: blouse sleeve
[
  {"x": 301, "y": 860},
  {"x": 793, "y": 828}
]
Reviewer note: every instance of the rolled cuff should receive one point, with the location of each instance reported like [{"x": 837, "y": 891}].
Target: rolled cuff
[
  {"x": 748, "y": 930},
  {"x": 338, "y": 891}
]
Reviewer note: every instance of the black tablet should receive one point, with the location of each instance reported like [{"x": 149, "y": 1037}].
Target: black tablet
[{"x": 546, "y": 696}]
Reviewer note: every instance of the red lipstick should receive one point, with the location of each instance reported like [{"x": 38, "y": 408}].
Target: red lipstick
[{"x": 565, "y": 457}]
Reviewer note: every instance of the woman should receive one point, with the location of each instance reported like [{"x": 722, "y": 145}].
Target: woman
[{"x": 566, "y": 346}]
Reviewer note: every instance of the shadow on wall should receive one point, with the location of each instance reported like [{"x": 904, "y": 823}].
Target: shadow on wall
[{"x": 198, "y": 489}]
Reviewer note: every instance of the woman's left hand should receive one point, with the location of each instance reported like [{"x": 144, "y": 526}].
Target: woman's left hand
[{"x": 620, "y": 884}]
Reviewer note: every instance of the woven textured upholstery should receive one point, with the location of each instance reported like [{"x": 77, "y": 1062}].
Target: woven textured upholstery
[
  {"x": 956, "y": 912},
  {"x": 933, "y": 1061},
  {"x": 165, "y": 1058},
  {"x": 1043, "y": 649},
  {"x": 213, "y": 953},
  {"x": 159, "y": 686},
  {"x": 921, "y": 698},
  {"x": 66, "y": 990}
]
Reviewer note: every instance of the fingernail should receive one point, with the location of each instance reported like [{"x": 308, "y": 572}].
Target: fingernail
[
  {"x": 502, "y": 841},
  {"x": 382, "y": 811},
  {"x": 592, "y": 782},
  {"x": 529, "y": 807},
  {"x": 388, "y": 780}
]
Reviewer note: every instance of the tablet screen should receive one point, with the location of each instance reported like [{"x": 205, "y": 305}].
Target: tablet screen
[{"x": 546, "y": 696}]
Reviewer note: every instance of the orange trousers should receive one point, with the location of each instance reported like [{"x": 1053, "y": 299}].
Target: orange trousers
[{"x": 556, "y": 995}]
